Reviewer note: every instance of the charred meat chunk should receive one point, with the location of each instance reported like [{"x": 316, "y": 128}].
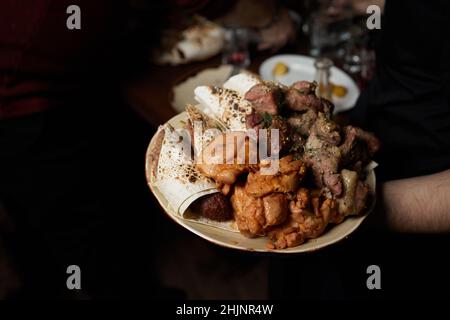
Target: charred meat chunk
[
  {"x": 327, "y": 130},
  {"x": 358, "y": 146},
  {"x": 301, "y": 97},
  {"x": 303, "y": 122},
  {"x": 253, "y": 120},
  {"x": 265, "y": 98},
  {"x": 324, "y": 160}
]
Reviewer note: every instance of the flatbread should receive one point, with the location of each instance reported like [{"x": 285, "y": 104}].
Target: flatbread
[
  {"x": 198, "y": 42},
  {"x": 175, "y": 175}
]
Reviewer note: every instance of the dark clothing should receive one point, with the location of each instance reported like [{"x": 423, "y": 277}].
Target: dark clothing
[
  {"x": 407, "y": 106},
  {"x": 407, "y": 103},
  {"x": 43, "y": 64},
  {"x": 71, "y": 155},
  {"x": 76, "y": 194}
]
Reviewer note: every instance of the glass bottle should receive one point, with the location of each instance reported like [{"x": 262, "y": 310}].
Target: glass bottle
[{"x": 323, "y": 67}]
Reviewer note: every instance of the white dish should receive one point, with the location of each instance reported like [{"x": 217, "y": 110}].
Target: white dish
[
  {"x": 235, "y": 240},
  {"x": 183, "y": 93},
  {"x": 302, "y": 68}
]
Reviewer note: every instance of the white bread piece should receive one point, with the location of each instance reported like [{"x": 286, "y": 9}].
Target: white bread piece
[
  {"x": 176, "y": 175},
  {"x": 227, "y": 106},
  {"x": 242, "y": 82},
  {"x": 199, "y": 42}
]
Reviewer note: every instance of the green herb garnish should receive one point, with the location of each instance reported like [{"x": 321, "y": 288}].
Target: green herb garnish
[{"x": 267, "y": 120}]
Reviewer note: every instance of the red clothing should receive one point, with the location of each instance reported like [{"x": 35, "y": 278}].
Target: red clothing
[{"x": 43, "y": 64}]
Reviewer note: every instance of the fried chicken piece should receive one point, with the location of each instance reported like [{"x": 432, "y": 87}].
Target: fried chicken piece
[
  {"x": 275, "y": 209},
  {"x": 223, "y": 174},
  {"x": 233, "y": 157},
  {"x": 287, "y": 236},
  {"x": 254, "y": 216},
  {"x": 286, "y": 180},
  {"x": 311, "y": 216},
  {"x": 308, "y": 219}
]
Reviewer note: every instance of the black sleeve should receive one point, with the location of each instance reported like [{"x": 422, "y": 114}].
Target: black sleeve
[{"x": 407, "y": 102}]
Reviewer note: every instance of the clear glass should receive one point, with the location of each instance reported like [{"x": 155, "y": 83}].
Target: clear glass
[
  {"x": 329, "y": 28},
  {"x": 318, "y": 34},
  {"x": 235, "y": 51},
  {"x": 323, "y": 69}
]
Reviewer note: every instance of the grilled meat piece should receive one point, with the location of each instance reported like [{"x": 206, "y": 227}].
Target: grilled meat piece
[
  {"x": 265, "y": 98},
  {"x": 258, "y": 121},
  {"x": 303, "y": 122},
  {"x": 324, "y": 159},
  {"x": 358, "y": 147},
  {"x": 301, "y": 97},
  {"x": 253, "y": 120},
  {"x": 327, "y": 130},
  {"x": 361, "y": 196},
  {"x": 284, "y": 132},
  {"x": 327, "y": 107},
  {"x": 305, "y": 87}
]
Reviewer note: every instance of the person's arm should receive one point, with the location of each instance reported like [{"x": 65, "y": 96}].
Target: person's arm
[{"x": 419, "y": 204}]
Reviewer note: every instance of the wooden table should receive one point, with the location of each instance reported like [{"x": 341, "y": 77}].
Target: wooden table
[{"x": 149, "y": 94}]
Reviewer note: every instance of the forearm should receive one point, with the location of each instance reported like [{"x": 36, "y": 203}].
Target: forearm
[{"x": 420, "y": 204}]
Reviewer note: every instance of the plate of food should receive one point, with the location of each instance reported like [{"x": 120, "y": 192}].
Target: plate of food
[
  {"x": 288, "y": 68},
  {"x": 259, "y": 166}
]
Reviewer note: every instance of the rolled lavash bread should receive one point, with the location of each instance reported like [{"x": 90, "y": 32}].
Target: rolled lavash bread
[
  {"x": 242, "y": 82},
  {"x": 225, "y": 105},
  {"x": 203, "y": 128},
  {"x": 174, "y": 172}
]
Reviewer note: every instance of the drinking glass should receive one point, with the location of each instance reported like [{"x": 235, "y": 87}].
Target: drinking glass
[{"x": 235, "y": 51}]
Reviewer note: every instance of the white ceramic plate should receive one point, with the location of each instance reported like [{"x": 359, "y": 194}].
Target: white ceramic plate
[
  {"x": 183, "y": 93},
  {"x": 235, "y": 240},
  {"x": 302, "y": 68}
]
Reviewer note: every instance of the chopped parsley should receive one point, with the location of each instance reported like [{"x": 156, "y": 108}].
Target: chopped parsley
[{"x": 267, "y": 120}]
